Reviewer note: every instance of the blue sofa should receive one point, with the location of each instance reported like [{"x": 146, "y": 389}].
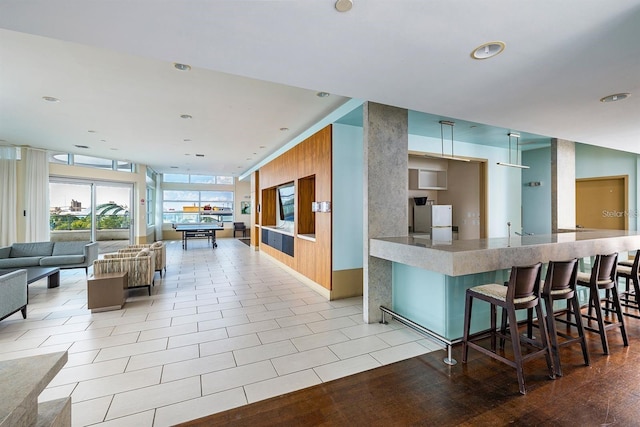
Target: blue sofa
[
  {"x": 13, "y": 293},
  {"x": 49, "y": 254}
]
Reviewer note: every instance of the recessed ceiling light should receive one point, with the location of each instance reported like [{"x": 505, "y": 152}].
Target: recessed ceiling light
[
  {"x": 263, "y": 146},
  {"x": 113, "y": 149},
  {"x": 248, "y": 158},
  {"x": 187, "y": 154},
  {"x": 284, "y": 129},
  {"x": 173, "y": 167},
  {"x": 615, "y": 97},
  {"x": 181, "y": 67},
  {"x": 344, "y": 5},
  {"x": 103, "y": 140},
  {"x": 50, "y": 99},
  {"x": 488, "y": 50},
  {"x": 186, "y": 116},
  {"x": 186, "y": 140},
  {"x": 199, "y": 155},
  {"x": 81, "y": 146},
  {"x": 322, "y": 94},
  {"x": 91, "y": 131}
]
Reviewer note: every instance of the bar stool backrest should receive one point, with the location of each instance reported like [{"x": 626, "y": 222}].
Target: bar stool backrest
[
  {"x": 561, "y": 277},
  {"x": 523, "y": 288},
  {"x": 635, "y": 268},
  {"x": 604, "y": 268}
]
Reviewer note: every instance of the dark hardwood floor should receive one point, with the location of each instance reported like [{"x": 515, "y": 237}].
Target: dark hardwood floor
[{"x": 483, "y": 392}]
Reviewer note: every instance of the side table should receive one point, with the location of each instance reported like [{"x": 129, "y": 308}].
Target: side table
[{"x": 106, "y": 291}]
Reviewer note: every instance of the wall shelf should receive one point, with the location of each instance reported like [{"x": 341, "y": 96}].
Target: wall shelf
[{"x": 427, "y": 179}]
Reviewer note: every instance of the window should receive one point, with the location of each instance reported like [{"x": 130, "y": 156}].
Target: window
[
  {"x": 198, "y": 179},
  {"x": 176, "y": 177},
  {"x": 224, "y": 180},
  {"x": 192, "y": 206},
  {"x": 90, "y": 162},
  {"x": 203, "y": 179},
  {"x": 150, "y": 205}
]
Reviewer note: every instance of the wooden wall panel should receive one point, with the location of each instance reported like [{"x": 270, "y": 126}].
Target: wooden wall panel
[
  {"x": 255, "y": 210},
  {"x": 312, "y": 157},
  {"x": 268, "y": 206},
  {"x": 306, "y": 195}
]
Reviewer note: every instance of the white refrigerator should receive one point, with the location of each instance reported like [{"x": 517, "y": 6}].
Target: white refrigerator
[{"x": 435, "y": 220}]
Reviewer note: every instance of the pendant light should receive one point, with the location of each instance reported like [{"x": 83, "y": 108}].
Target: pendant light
[
  {"x": 517, "y": 163},
  {"x": 444, "y": 123}
]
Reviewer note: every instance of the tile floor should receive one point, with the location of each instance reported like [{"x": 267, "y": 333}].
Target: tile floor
[{"x": 223, "y": 328}]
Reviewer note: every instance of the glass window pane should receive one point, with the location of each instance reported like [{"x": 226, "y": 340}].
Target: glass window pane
[
  {"x": 215, "y": 196},
  {"x": 203, "y": 179},
  {"x": 176, "y": 177},
  {"x": 224, "y": 180},
  {"x": 59, "y": 158},
  {"x": 150, "y": 206},
  {"x": 92, "y": 162},
  {"x": 183, "y": 195},
  {"x": 124, "y": 166}
]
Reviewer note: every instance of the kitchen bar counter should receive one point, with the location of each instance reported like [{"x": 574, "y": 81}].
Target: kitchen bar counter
[
  {"x": 461, "y": 257},
  {"x": 429, "y": 278}
]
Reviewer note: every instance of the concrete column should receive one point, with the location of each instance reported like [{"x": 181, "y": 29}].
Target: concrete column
[
  {"x": 563, "y": 184},
  {"x": 386, "y": 145}
]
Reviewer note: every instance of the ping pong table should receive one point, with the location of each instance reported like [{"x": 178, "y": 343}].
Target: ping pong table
[{"x": 191, "y": 231}]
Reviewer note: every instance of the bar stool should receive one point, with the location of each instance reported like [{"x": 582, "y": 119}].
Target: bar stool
[
  {"x": 629, "y": 271},
  {"x": 522, "y": 292},
  {"x": 560, "y": 284},
  {"x": 603, "y": 277}
]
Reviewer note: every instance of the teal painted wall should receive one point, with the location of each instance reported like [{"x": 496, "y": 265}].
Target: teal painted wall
[
  {"x": 594, "y": 161},
  {"x": 347, "y": 204},
  {"x": 536, "y": 201}
]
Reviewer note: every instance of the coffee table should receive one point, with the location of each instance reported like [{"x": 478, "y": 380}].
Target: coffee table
[{"x": 36, "y": 273}]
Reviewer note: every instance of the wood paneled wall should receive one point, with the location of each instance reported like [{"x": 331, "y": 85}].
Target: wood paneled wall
[{"x": 312, "y": 157}]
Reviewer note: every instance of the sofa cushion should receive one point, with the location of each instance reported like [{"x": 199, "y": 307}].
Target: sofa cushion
[
  {"x": 69, "y": 248},
  {"x": 62, "y": 260},
  {"x": 5, "y": 252},
  {"x": 19, "y": 250},
  {"x": 143, "y": 252},
  {"x": 33, "y": 261}
]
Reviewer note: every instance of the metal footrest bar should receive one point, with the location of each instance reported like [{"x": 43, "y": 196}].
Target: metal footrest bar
[{"x": 421, "y": 329}]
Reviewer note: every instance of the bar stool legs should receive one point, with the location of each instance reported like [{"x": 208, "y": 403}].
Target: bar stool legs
[
  {"x": 521, "y": 292},
  {"x": 603, "y": 277},
  {"x": 629, "y": 298}
]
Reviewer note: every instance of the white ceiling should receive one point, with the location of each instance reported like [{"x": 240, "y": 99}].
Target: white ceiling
[{"x": 257, "y": 66}]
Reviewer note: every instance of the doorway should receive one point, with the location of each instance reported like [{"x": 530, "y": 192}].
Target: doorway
[
  {"x": 602, "y": 203},
  {"x": 98, "y": 211}
]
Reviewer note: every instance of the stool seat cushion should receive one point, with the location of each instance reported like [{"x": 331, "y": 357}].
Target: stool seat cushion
[
  {"x": 586, "y": 278},
  {"x": 561, "y": 291},
  {"x": 499, "y": 292},
  {"x": 623, "y": 269}
]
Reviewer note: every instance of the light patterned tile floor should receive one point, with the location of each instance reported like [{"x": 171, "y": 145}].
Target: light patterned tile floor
[{"x": 221, "y": 329}]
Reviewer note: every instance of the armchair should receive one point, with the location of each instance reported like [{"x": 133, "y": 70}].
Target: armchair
[
  {"x": 239, "y": 227},
  {"x": 13, "y": 293},
  {"x": 140, "y": 266},
  {"x": 159, "y": 250}
]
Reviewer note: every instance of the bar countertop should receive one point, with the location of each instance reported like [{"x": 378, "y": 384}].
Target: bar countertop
[{"x": 460, "y": 257}]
